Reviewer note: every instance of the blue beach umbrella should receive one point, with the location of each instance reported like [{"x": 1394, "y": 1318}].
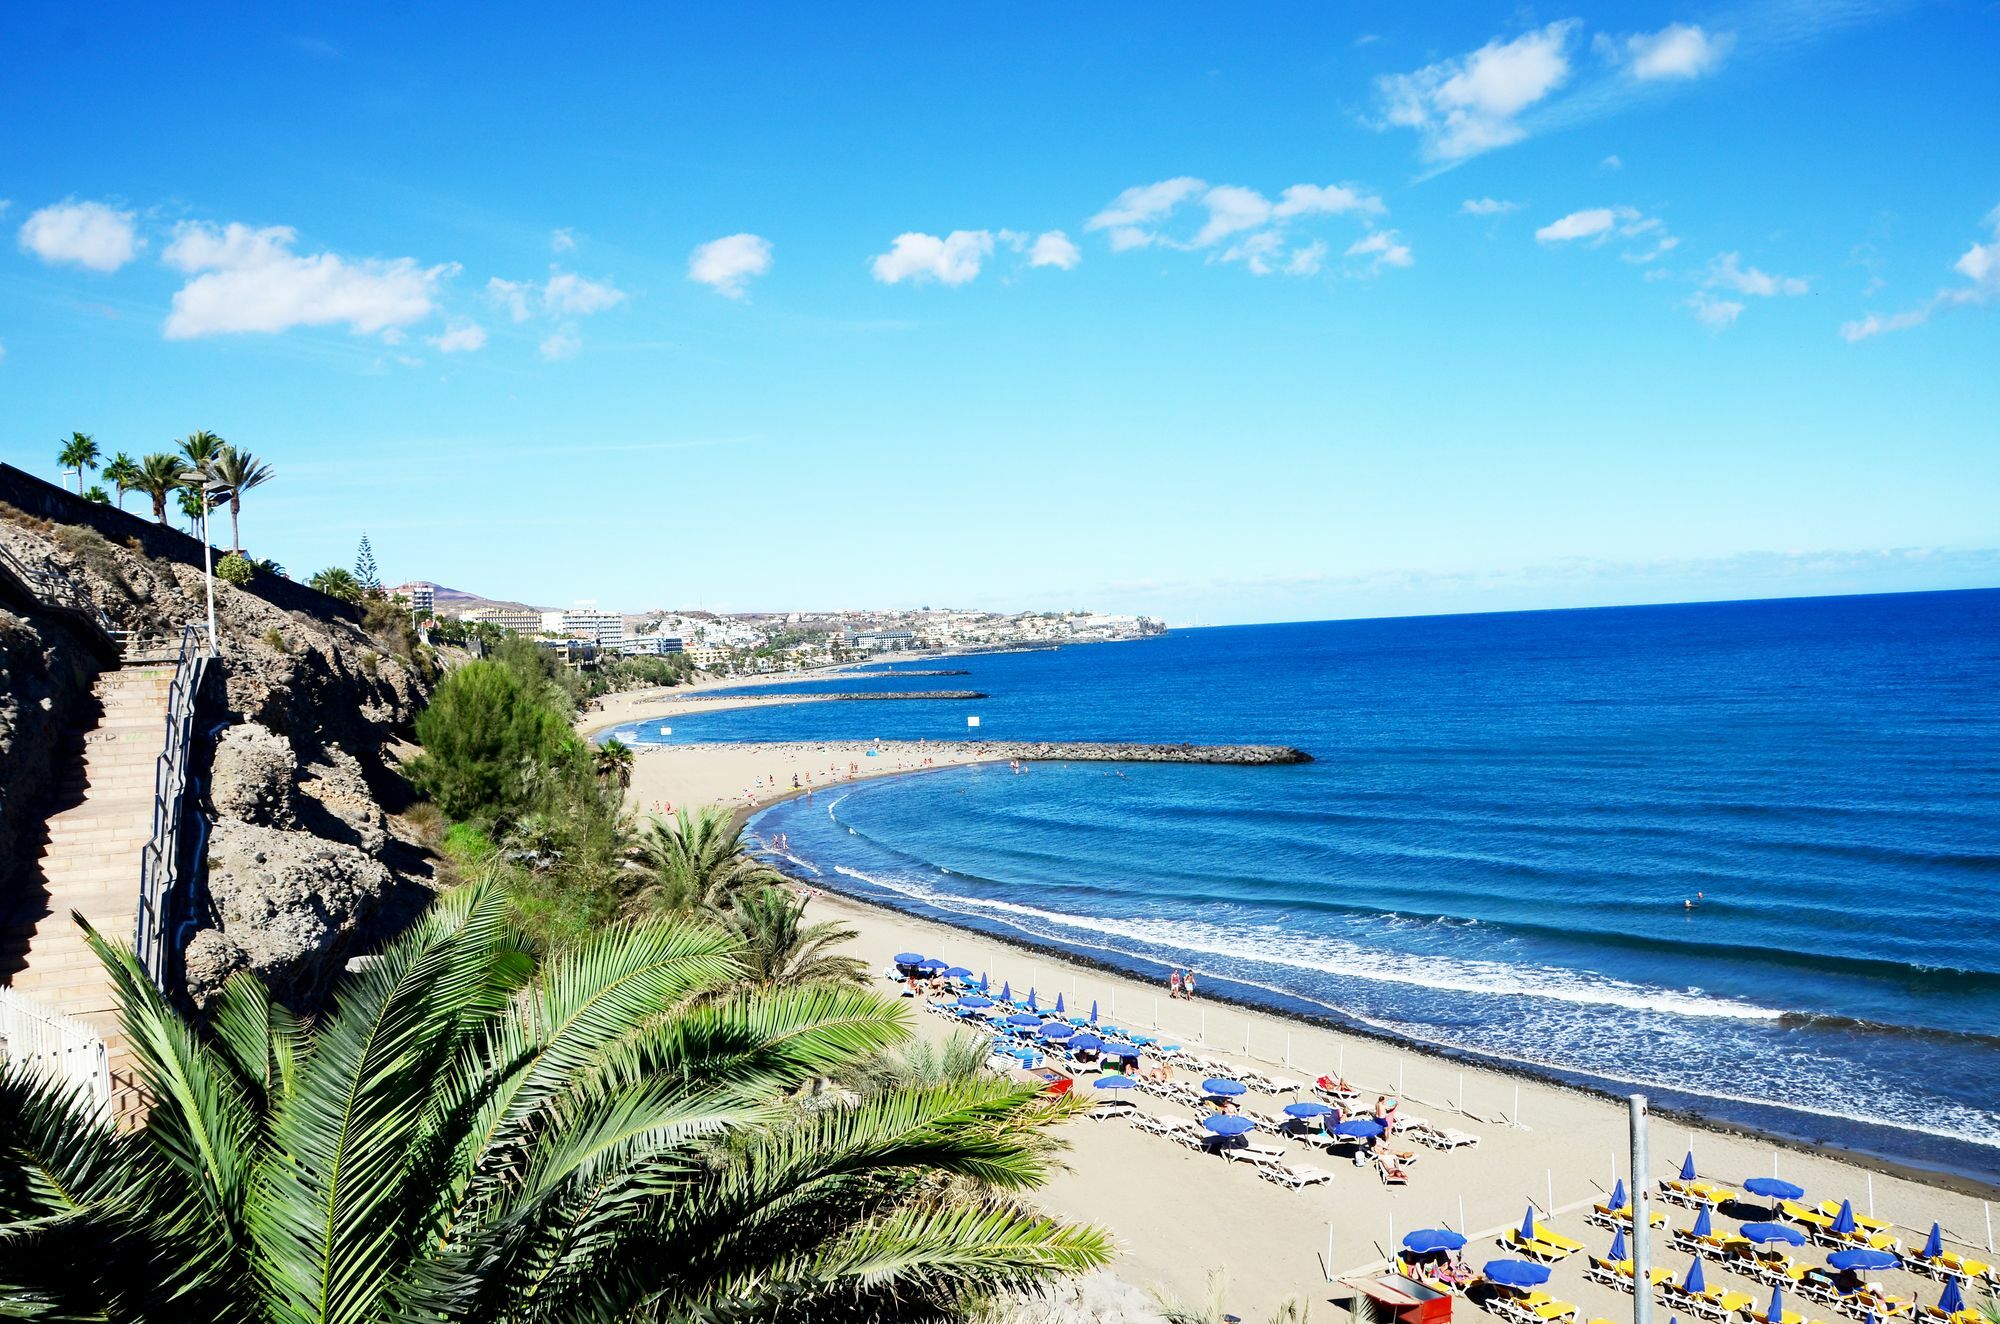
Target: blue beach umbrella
[
  {"x": 1843, "y": 1222},
  {"x": 1704, "y": 1226},
  {"x": 1307, "y": 1110},
  {"x": 1861, "y": 1260},
  {"x": 1427, "y": 1240},
  {"x": 1933, "y": 1244},
  {"x": 1694, "y": 1282},
  {"x": 1776, "y": 1311},
  {"x": 1953, "y": 1300},
  {"x": 1058, "y": 1030},
  {"x": 1528, "y": 1224},
  {"x": 1114, "y": 1083},
  {"x": 1059, "y": 1004},
  {"x": 1618, "y": 1200},
  {"x": 984, "y": 987},
  {"x": 958, "y": 972},
  {"x": 1516, "y": 1273},
  {"x": 1773, "y": 1188},
  {"x": 933, "y": 964},
  {"x": 1006, "y": 991},
  {"x": 1618, "y": 1251},
  {"x": 1222, "y": 1087},
  {"x": 1763, "y": 1233},
  {"x": 1084, "y": 1040},
  {"x": 1114, "y": 1048},
  {"x": 1032, "y": 1004},
  {"x": 1023, "y": 1020},
  {"x": 973, "y": 1002},
  {"x": 909, "y": 958},
  {"x": 1358, "y": 1128},
  {"x": 1225, "y": 1124},
  {"x": 1687, "y": 1167},
  {"x": 1093, "y": 1011}
]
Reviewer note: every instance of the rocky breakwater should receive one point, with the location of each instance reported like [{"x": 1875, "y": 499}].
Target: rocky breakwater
[
  {"x": 301, "y": 856},
  {"x": 1091, "y": 751}
]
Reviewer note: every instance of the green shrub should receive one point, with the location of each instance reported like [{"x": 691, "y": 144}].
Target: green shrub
[
  {"x": 487, "y": 734},
  {"x": 275, "y": 639},
  {"x": 234, "y": 569},
  {"x": 371, "y": 662},
  {"x": 467, "y": 844}
]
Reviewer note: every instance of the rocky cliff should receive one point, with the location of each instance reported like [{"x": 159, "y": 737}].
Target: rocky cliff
[{"x": 301, "y": 857}]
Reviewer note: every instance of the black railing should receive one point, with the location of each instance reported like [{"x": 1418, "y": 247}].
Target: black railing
[
  {"x": 56, "y": 588},
  {"x": 160, "y": 859}
]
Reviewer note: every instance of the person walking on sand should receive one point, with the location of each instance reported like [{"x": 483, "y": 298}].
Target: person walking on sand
[
  {"x": 1187, "y": 986},
  {"x": 1174, "y": 984}
]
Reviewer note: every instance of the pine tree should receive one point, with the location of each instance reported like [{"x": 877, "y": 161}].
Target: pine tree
[{"x": 365, "y": 573}]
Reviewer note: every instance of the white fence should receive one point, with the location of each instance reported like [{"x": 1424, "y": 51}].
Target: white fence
[{"x": 59, "y": 1047}]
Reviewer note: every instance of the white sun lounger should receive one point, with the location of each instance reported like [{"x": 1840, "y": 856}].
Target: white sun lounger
[{"x": 1297, "y": 1178}]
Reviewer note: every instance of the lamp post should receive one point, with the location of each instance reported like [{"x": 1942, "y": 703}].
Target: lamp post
[{"x": 210, "y": 487}]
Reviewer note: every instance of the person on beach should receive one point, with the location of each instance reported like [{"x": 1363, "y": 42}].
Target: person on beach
[
  {"x": 1187, "y": 986},
  {"x": 1174, "y": 984}
]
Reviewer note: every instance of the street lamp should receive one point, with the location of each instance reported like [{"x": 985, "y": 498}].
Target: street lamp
[{"x": 210, "y": 487}]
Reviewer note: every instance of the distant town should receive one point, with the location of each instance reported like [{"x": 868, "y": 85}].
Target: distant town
[{"x": 755, "y": 643}]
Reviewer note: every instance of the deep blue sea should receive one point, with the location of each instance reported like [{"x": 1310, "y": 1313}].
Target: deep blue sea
[{"x": 1492, "y": 849}]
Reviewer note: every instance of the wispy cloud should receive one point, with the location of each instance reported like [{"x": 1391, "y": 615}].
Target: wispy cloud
[
  {"x": 250, "y": 280},
  {"x": 1472, "y": 103},
  {"x": 1487, "y": 207},
  {"x": 1980, "y": 268},
  {"x": 1236, "y": 224}
]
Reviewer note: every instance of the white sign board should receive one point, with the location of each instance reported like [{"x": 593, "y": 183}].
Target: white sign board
[{"x": 972, "y": 721}]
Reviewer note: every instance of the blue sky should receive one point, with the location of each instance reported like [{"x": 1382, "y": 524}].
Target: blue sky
[{"x": 1144, "y": 307}]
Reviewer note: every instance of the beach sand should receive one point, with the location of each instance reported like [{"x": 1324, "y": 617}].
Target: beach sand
[{"x": 1178, "y": 1214}]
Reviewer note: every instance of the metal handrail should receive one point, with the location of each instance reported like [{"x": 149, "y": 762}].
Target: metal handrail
[
  {"x": 159, "y": 860},
  {"x": 54, "y": 586}
]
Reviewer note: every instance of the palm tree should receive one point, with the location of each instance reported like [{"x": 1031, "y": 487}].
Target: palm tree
[
  {"x": 337, "y": 581},
  {"x": 122, "y": 471},
  {"x": 779, "y": 949},
  {"x": 698, "y": 863},
  {"x": 191, "y": 507},
  {"x": 95, "y": 492},
  {"x": 77, "y": 455},
  {"x": 242, "y": 471},
  {"x": 466, "y": 1136},
  {"x": 614, "y": 762},
  {"x": 159, "y": 474},
  {"x": 200, "y": 450}
]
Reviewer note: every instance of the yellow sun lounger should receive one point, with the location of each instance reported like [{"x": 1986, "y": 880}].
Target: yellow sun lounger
[
  {"x": 1831, "y": 1208},
  {"x": 1545, "y": 1245},
  {"x": 1805, "y": 1215},
  {"x": 1731, "y": 1302},
  {"x": 1623, "y": 1215},
  {"x": 1548, "y": 1307},
  {"x": 1952, "y": 1262},
  {"x": 1657, "y": 1274}
]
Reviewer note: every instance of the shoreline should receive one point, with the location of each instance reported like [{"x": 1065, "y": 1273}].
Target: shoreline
[{"x": 1552, "y": 1078}]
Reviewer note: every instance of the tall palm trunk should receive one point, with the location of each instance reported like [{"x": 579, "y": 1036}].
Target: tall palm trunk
[{"x": 235, "y": 510}]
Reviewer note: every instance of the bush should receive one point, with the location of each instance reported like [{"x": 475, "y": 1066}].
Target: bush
[
  {"x": 88, "y": 546},
  {"x": 274, "y": 638},
  {"x": 235, "y": 569},
  {"x": 467, "y": 844},
  {"x": 487, "y": 732}
]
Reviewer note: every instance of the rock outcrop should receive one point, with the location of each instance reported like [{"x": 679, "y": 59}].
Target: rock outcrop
[{"x": 301, "y": 852}]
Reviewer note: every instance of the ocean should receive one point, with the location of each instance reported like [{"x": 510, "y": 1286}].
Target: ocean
[{"x": 1495, "y": 847}]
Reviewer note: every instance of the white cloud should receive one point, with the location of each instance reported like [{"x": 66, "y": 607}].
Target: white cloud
[
  {"x": 1677, "y": 51},
  {"x": 1143, "y": 204},
  {"x": 951, "y": 260},
  {"x": 1053, "y": 248},
  {"x": 1384, "y": 248},
  {"x": 562, "y": 241},
  {"x": 1716, "y": 314},
  {"x": 725, "y": 265},
  {"x": 84, "y": 234},
  {"x": 460, "y": 338},
  {"x": 1727, "y": 273},
  {"x": 564, "y": 294},
  {"x": 572, "y": 295},
  {"x": 1487, "y": 207},
  {"x": 1979, "y": 265},
  {"x": 250, "y": 280},
  {"x": 1613, "y": 162},
  {"x": 512, "y": 295},
  {"x": 1590, "y": 223},
  {"x": 563, "y": 343},
  {"x": 1467, "y": 105},
  {"x": 1256, "y": 228}
]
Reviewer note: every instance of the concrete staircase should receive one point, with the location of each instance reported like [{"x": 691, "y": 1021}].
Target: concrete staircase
[{"x": 89, "y": 862}]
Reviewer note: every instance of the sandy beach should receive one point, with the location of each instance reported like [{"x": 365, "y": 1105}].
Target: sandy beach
[{"x": 1178, "y": 1214}]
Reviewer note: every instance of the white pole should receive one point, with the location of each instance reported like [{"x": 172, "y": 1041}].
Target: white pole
[
  {"x": 1246, "y": 1038},
  {"x": 1642, "y": 1225},
  {"x": 1204, "y": 1027},
  {"x": 1340, "y": 1064},
  {"x": 1517, "y": 1107},
  {"x": 1550, "y": 1173},
  {"x": 207, "y": 568},
  {"x": 1989, "y": 1225},
  {"x": 1288, "y": 1048},
  {"x": 1462, "y": 1224},
  {"x": 1461, "y": 1091},
  {"x": 1156, "y": 1010},
  {"x": 1399, "y": 1078},
  {"x": 1871, "y": 1195},
  {"x": 1329, "y": 1252}
]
